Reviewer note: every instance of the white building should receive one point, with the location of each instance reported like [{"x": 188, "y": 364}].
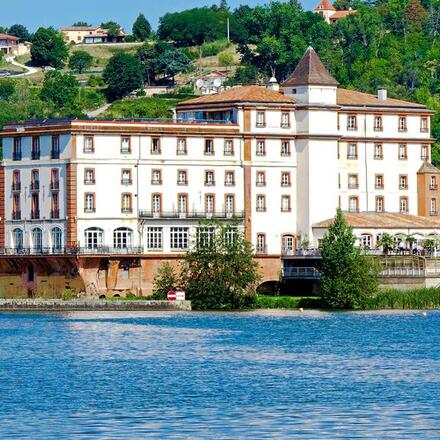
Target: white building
[{"x": 279, "y": 161}]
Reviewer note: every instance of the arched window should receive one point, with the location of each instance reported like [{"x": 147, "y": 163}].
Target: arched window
[
  {"x": 288, "y": 244},
  {"x": 57, "y": 239},
  {"x": 94, "y": 238},
  {"x": 17, "y": 235},
  {"x": 122, "y": 238},
  {"x": 37, "y": 239}
]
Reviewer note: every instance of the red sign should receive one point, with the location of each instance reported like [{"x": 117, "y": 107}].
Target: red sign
[{"x": 171, "y": 296}]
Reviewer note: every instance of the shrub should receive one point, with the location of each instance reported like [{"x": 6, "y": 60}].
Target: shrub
[
  {"x": 68, "y": 294},
  {"x": 214, "y": 48},
  {"x": 425, "y": 298},
  {"x": 287, "y": 302},
  {"x": 226, "y": 59},
  {"x": 165, "y": 280}
]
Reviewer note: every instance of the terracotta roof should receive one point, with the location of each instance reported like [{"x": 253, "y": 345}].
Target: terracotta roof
[
  {"x": 8, "y": 37},
  {"x": 353, "y": 98},
  {"x": 428, "y": 168},
  {"x": 341, "y": 14},
  {"x": 80, "y": 28},
  {"x": 310, "y": 70},
  {"x": 251, "y": 93},
  {"x": 386, "y": 220},
  {"x": 325, "y": 5}
]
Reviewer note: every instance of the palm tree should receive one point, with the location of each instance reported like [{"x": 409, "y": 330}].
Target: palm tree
[{"x": 387, "y": 242}]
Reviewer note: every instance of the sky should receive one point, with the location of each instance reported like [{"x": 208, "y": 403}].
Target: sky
[{"x": 57, "y": 13}]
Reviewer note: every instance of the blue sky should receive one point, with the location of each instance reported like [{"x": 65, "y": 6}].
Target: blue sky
[{"x": 35, "y": 13}]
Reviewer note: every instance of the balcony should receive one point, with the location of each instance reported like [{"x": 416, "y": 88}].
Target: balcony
[
  {"x": 89, "y": 181},
  {"x": 126, "y": 210},
  {"x": 16, "y": 186},
  {"x": 261, "y": 250},
  {"x": 193, "y": 215},
  {"x": 16, "y": 156},
  {"x": 55, "y": 185},
  {"x": 379, "y": 186},
  {"x": 230, "y": 183},
  {"x": 126, "y": 182},
  {"x": 35, "y": 186},
  {"x": 16, "y": 215},
  {"x": 353, "y": 186},
  {"x": 125, "y": 150},
  {"x": 89, "y": 210},
  {"x": 102, "y": 250},
  {"x": 156, "y": 182},
  {"x": 403, "y": 186},
  {"x": 211, "y": 183},
  {"x": 433, "y": 213},
  {"x": 35, "y": 155},
  {"x": 35, "y": 215},
  {"x": 433, "y": 187},
  {"x": 378, "y": 157},
  {"x": 352, "y": 156},
  {"x": 300, "y": 252},
  {"x": 55, "y": 214}
]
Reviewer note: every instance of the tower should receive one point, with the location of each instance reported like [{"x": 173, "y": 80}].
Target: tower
[{"x": 326, "y": 9}]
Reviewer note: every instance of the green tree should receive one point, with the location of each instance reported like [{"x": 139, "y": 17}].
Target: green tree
[
  {"x": 348, "y": 277},
  {"x": 122, "y": 75},
  {"x": 141, "y": 28},
  {"x": 81, "y": 23},
  {"x": 174, "y": 61},
  {"x": 112, "y": 28},
  {"x": 387, "y": 242},
  {"x": 80, "y": 61},
  {"x": 226, "y": 59},
  {"x": 166, "y": 279},
  {"x": 60, "y": 89},
  {"x": 219, "y": 271},
  {"x": 19, "y": 31},
  {"x": 7, "y": 89},
  {"x": 48, "y": 48}
]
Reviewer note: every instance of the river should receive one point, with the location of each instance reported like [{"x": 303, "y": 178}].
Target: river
[{"x": 251, "y": 375}]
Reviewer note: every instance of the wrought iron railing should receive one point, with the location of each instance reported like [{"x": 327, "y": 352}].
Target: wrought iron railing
[
  {"x": 190, "y": 214},
  {"x": 301, "y": 273}
]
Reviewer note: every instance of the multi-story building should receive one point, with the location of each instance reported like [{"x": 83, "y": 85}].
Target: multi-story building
[{"x": 111, "y": 200}]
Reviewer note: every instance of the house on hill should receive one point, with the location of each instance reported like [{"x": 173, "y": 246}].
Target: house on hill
[
  {"x": 90, "y": 35},
  {"x": 10, "y": 45},
  {"x": 330, "y": 14}
]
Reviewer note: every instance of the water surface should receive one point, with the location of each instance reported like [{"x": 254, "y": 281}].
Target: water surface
[{"x": 219, "y": 376}]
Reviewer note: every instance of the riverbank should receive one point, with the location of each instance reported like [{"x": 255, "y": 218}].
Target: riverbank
[{"x": 91, "y": 305}]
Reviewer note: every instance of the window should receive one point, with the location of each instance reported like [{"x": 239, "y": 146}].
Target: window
[
  {"x": 209, "y": 178},
  {"x": 94, "y": 238},
  {"x": 209, "y": 203},
  {"x": 285, "y": 204},
  {"x": 35, "y": 202},
  {"x": 89, "y": 176},
  {"x": 125, "y": 144},
  {"x": 122, "y": 238},
  {"x": 288, "y": 245},
  {"x": 352, "y": 151},
  {"x": 378, "y": 123},
  {"x": 126, "y": 203},
  {"x": 35, "y": 180},
  {"x": 56, "y": 235},
  {"x": 179, "y": 238},
  {"x": 55, "y": 179},
  {"x": 261, "y": 243},
  {"x": 156, "y": 203},
  {"x": 261, "y": 148},
  {"x": 366, "y": 240},
  {"x": 403, "y": 152},
  {"x": 126, "y": 177},
  {"x": 16, "y": 207},
  {"x": 261, "y": 203},
  {"x": 353, "y": 182},
  {"x": 37, "y": 239},
  {"x": 403, "y": 181},
  {"x": 155, "y": 145},
  {"x": 261, "y": 178},
  {"x": 378, "y": 152},
  {"x": 229, "y": 147},
  {"x": 182, "y": 204},
  {"x": 261, "y": 119},
  {"x": 379, "y": 181},
  {"x": 89, "y": 202},
  {"x": 285, "y": 120},
  {"x": 402, "y": 123},
  {"x": 35, "y": 154},
  {"x": 351, "y": 122},
  {"x": 433, "y": 207},
  {"x": 285, "y": 148},
  {"x": 424, "y": 126},
  {"x": 230, "y": 235},
  {"x": 205, "y": 237},
  {"x": 229, "y": 204},
  {"x": 16, "y": 154},
  {"x": 88, "y": 144},
  {"x": 353, "y": 204},
  {"x": 380, "y": 204},
  {"x": 424, "y": 154},
  {"x": 156, "y": 177},
  {"x": 16, "y": 182},
  {"x": 433, "y": 183},
  {"x": 285, "y": 178},
  {"x": 154, "y": 238},
  {"x": 181, "y": 146},
  {"x": 403, "y": 205},
  {"x": 55, "y": 151},
  {"x": 55, "y": 206},
  {"x": 17, "y": 236},
  {"x": 209, "y": 146},
  {"x": 229, "y": 178},
  {"x": 182, "y": 177}
]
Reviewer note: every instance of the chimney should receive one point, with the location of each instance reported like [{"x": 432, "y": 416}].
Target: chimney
[
  {"x": 382, "y": 94},
  {"x": 273, "y": 85}
]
